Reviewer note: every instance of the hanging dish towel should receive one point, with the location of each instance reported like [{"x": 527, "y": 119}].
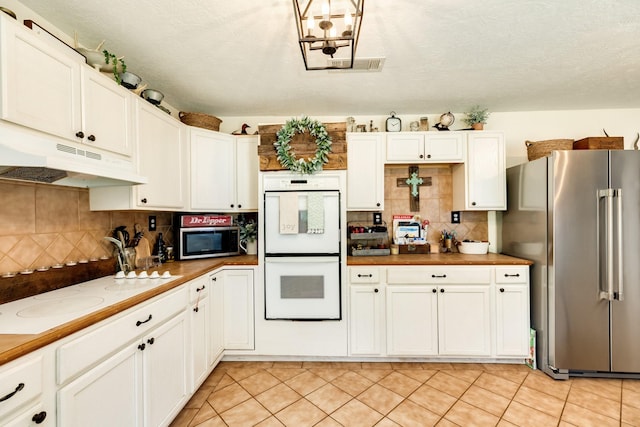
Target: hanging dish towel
[
  {"x": 289, "y": 213},
  {"x": 315, "y": 213}
]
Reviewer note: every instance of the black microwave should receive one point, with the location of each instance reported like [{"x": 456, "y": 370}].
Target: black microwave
[{"x": 207, "y": 242}]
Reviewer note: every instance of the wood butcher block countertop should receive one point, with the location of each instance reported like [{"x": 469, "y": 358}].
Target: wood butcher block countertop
[
  {"x": 437, "y": 259},
  {"x": 13, "y": 346}
]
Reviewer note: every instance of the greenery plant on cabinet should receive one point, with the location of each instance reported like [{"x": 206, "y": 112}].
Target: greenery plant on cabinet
[{"x": 476, "y": 117}]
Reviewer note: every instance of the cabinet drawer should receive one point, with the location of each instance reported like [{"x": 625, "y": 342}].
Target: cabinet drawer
[
  {"x": 364, "y": 275},
  {"x": 20, "y": 382},
  {"x": 91, "y": 347},
  {"x": 438, "y": 275},
  {"x": 512, "y": 274},
  {"x": 198, "y": 289}
]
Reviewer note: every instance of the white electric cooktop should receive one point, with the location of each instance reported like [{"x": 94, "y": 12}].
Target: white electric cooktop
[{"x": 42, "y": 312}]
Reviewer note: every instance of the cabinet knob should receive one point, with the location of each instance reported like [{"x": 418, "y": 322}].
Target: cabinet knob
[
  {"x": 375, "y": 290},
  {"x": 239, "y": 206},
  {"x": 10, "y": 395},
  {"x": 441, "y": 291},
  {"x": 434, "y": 290},
  {"x": 80, "y": 134},
  {"x": 39, "y": 417},
  {"x": 231, "y": 205},
  {"x": 421, "y": 156},
  {"x": 378, "y": 204},
  {"x": 473, "y": 203},
  {"x": 91, "y": 138},
  {"x": 501, "y": 289},
  {"x": 142, "y": 346},
  {"x": 151, "y": 340},
  {"x": 428, "y": 156},
  {"x": 143, "y": 200},
  {"x": 196, "y": 309},
  {"x": 214, "y": 278}
]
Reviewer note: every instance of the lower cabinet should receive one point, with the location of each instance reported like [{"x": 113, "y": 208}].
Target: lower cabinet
[
  {"x": 201, "y": 326},
  {"x": 238, "y": 309},
  {"x": 448, "y": 311}
]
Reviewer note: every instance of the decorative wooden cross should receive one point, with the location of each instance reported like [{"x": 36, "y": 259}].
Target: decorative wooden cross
[{"x": 414, "y": 182}]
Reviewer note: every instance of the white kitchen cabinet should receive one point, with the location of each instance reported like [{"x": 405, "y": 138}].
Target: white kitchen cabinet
[
  {"x": 224, "y": 171},
  {"x": 512, "y": 311},
  {"x": 217, "y": 319},
  {"x": 480, "y": 183},
  {"x": 52, "y": 90},
  {"x": 36, "y": 415},
  {"x": 365, "y": 171},
  {"x": 200, "y": 312},
  {"x": 107, "y": 116},
  {"x": 425, "y": 147},
  {"x": 412, "y": 320},
  {"x": 366, "y": 312},
  {"x": 161, "y": 156},
  {"x": 464, "y": 320},
  {"x": 238, "y": 309}
]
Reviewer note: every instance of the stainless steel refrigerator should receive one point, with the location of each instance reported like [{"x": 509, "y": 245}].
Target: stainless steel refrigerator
[{"x": 576, "y": 215}]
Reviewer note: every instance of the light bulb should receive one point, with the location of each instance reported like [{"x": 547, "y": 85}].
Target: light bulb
[
  {"x": 325, "y": 11},
  {"x": 311, "y": 23},
  {"x": 348, "y": 19},
  {"x": 332, "y": 32}
]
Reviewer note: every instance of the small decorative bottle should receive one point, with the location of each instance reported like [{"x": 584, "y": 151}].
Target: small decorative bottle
[{"x": 160, "y": 249}]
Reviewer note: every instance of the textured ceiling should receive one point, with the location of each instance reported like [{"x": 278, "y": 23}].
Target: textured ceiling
[{"x": 241, "y": 57}]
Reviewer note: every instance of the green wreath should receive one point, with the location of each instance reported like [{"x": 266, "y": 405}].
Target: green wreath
[{"x": 286, "y": 156}]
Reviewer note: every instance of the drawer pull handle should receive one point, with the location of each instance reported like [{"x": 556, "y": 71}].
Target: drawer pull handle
[
  {"x": 140, "y": 322},
  {"x": 436, "y": 276},
  {"x": 151, "y": 340},
  {"x": 512, "y": 275},
  {"x": 200, "y": 289},
  {"x": 10, "y": 395},
  {"x": 214, "y": 278},
  {"x": 39, "y": 417},
  {"x": 365, "y": 275},
  {"x": 501, "y": 289}
]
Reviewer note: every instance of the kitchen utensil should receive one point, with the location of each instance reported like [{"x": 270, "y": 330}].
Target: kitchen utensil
[
  {"x": 476, "y": 248},
  {"x": 143, "y": 250},
  {"x": 153, "y": 96},
  {"x": 122, "y": 234},
  {"x": 129, "y": 80},
  {"x": 137, "y": 228}
]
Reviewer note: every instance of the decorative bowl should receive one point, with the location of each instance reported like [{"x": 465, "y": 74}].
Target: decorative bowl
[
  {"x": 153, "y": 96},
  {"x": 129, "y": 80},
  {"x": 477, "y": 248}
]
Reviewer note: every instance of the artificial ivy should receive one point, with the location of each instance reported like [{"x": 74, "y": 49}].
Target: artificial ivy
[{"x": 287, "y": 157}]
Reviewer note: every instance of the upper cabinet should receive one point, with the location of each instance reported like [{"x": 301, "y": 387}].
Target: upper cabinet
[
  {"x": 223, "y": 171},
  {"x": 425, "y": 147},
  {"x": 365, "y": 171},
  {"x": 161, "y": 154},
  {"x": 52, "y": 90},
  {"x": 480, "y": 182}
]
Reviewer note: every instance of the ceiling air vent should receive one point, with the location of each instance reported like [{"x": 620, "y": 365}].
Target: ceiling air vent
[{"x": 359, "y": 65}]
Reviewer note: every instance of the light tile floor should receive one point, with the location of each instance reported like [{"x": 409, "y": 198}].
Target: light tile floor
[{"x": 326, "y": 394}]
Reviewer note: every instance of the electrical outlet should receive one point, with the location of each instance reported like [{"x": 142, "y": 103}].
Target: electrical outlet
[
  {"x": 455, "y": 217},
  {"x": 152, "y": 223},
  {"x": 377, "y": 218}
]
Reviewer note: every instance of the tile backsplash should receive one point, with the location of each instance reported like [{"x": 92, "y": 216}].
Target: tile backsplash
[
  {"x": 42, "y": 225},
  {"x": 436, "y": 202}
]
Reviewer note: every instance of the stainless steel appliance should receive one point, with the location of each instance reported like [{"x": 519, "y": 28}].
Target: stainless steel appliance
[
  {"x": 205, "y": 236},
  {"x": 576, "y": 214},
  {"x": 302, "y": 248}
]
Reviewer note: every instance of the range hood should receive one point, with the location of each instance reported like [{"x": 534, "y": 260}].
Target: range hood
[{"x": 28, "y": 155}]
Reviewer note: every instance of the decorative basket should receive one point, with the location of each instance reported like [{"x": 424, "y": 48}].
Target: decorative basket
[
  {"x": 537, "y": 149},
  {"x": 200, "y": 120}
]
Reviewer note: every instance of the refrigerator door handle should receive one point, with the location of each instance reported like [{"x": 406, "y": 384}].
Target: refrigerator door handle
[
  {"x": 608, "y": 194},
  {"x": 620, "y": 293}
]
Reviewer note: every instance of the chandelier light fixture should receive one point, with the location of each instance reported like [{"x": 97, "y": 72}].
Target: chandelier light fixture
[{"x": 327, "y": 28}]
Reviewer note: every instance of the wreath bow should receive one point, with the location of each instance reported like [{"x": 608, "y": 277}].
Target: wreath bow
[{"x": 285, "y": 154}]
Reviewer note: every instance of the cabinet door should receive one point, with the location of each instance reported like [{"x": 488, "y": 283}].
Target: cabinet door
[
  {"x": 365, "y": 171},
  {"x": 200, "y": 312},
  {"x": 238, "y": 313},
  {"x": 107, "y": 395},
  {"x": 464, "y": 320},
  {"x": 106, "y": 113},
  {"x": 444, "y": 147},
  {"x": 160, "y": 158},
  {"x": 405, "y": 147},
  {"x": 247, "y": 166},
  {"x": 486, "y": 175},
  {"x": 412, "y": 320},
  {"x": 366, "y": 319},
  {"x": 217, "y": 317},
  {"x": 165, "y": 372},
  {"x": 41, "y": 85},
  {"x": 512, "y": 320},
  {"x": 211, "y": 169}
]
